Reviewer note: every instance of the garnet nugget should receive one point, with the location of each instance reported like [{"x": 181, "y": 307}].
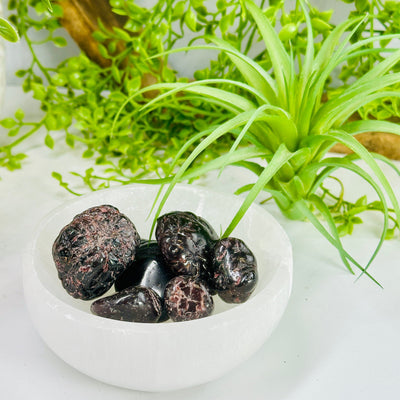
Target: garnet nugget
[
  {"x": 185, "y": 240},
  {"x": 93, "y": 250},
  {"x": 234, "y": 270},
  {"x": 187, "y": 298}
]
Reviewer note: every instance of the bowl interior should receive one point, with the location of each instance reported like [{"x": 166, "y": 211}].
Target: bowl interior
[{"x": 258, "y": 229}]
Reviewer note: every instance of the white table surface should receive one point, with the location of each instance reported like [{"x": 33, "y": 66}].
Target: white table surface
[{"x": 338, "y": 339}]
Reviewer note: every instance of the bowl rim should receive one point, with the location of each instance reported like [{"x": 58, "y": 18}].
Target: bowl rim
[{"x": 84, "y": 317}]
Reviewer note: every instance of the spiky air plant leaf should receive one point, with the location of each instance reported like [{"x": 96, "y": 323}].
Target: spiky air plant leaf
[{"x": 281, "y": 119}]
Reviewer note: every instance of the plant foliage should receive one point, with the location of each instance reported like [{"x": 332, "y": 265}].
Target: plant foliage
[
  {"x": 274, "y": 102},
  {"x": 282, "y": 120}
]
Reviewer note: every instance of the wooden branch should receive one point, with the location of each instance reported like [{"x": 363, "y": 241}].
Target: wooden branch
[
  {"x": 383, "y": 143},
  {"x": 80, "y": 19},
  {"x": 386, "y": 144}
]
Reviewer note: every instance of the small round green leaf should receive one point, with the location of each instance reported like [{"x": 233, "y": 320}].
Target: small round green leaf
[
  {"x": 19, "y": 114},
  {"x": 49, "y": 141},
  {"x": 60, "y": 41},
  {"x": 8, "y": 123},
  {"x": 190, "y": 20}
]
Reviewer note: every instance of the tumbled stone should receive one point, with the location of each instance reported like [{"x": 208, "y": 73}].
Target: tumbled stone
[
  {"x": 185, "y": 241},
  {"x": 234, "y": 270},
  {"x": 93, "y": 250},
  {"x": 187, "y": 298},
  {"x": 133, "y": 304}
]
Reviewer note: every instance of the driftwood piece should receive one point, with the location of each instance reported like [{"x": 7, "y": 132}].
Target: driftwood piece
[
  {"x": 386, "y": 144},
  {"x": 80, "y": 19},
  {"x": 383, "y": 143}
]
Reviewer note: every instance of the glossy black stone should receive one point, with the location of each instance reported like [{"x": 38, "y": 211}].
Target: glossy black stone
[
  {"x": 187, "y": 298},
  {"x": 148, "y": 269},
  {"x": 93, "y": 249},
  {"x": 185, "y": 240},
  {"x": 133, "y": 304},
  {"x": 234, "y": 270}
]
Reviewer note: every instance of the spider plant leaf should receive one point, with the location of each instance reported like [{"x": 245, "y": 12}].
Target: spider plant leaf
[
  {"x": 367, "y": 41},
  {"x": 307, "y": 67},
  {"x": 380, "y": 69},
  {"x": 366, "y": 52},
  {"x": 226, "y": 99},
  {"x": 366, "y": 156},
  {"x": 326, "y": 214},
  {"x": 275, "y": 193},
  {"x": 333, "y": 40},
  {"x": 337, "y": 114},
  {"x": 257, "y": 114},
  {"x": 279, "y": 57},
  {"x": 362, "y": 126},
  {"x": 226, "y": 127},
  {"x": 252, "y": 166},
  {"x": 334, "y": 163},
  {"x": 326, "y": 60},
  {"x": 303, "y": 207},
  {"x": 281, "y": 157},
  {"x": 284, "y": 127},
  {"x": 301, "y": 158},
  {"x": 253, "y": 73},
  {"x": 222, "y": 161}
]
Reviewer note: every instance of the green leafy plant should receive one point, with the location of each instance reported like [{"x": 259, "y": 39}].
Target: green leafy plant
[
  {"x": 240, "y": 107},
  {"x": 384, "y": 19},
  {"x": 81, "y": 98},
  {"x": 280, "y": 118},
  {"x": 9, "y": 32}
]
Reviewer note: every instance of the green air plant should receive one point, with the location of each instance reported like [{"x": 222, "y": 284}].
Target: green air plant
[{"x": 279, "y": 118}]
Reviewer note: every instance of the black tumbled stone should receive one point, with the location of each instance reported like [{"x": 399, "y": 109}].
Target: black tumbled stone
[
  {"x": 133, "y": 304},
  {"x": 234, "y": 270}
]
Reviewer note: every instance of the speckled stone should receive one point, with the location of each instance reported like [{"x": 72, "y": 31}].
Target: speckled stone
[
  {"x": 133, "y": 304},
  {"x": 187, "y": 298},
  {"x": 185, "y": 241},
  {"x": 93, "y": 250},
  {"x": 234, "y": 270}
]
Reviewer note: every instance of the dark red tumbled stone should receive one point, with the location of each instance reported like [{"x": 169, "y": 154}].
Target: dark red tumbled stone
[
  {"x": 187, "y": 298},
  {"x": 93, "y": 250},
  {"x": 133, "y": 304},
  {"x": 185, "y": 241},
  {"x": 234, "y": 270}
]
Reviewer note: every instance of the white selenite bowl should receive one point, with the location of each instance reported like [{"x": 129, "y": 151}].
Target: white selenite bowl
[{"x": 169, "y": 355}]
